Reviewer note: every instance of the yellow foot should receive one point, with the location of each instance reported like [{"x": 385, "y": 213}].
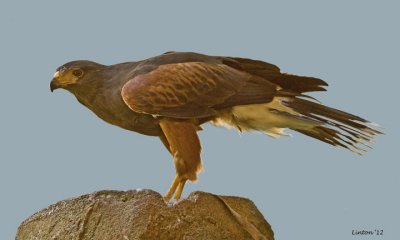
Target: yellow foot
[{"x": 176, "y": 189}]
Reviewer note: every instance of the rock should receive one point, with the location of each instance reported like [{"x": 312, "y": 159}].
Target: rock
[{"x": 142, "y": 214}]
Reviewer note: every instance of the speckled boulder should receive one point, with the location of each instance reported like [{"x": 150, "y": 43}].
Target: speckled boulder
[{"x": 142, "y": 214}]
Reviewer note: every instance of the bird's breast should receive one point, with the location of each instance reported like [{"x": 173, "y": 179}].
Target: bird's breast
[{"x": 110, "y": 107}]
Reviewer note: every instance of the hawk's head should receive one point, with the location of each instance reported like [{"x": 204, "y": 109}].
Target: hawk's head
[{"x": 73, "y": 73}]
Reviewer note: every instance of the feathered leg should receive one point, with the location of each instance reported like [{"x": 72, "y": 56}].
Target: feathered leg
[{"x": 184, "y": 145}]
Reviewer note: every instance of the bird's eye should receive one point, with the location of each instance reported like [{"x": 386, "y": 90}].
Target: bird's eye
[{"x": 77, "y": 73}]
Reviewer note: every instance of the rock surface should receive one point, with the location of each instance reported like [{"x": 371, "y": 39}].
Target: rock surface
[{"x": 142, "y": 214}]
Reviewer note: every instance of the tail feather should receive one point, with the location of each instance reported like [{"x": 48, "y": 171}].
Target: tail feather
[{"x": 337, "y": 127}]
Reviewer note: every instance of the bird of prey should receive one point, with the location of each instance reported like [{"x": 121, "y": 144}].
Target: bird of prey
[{"x": 171, "y": 95}]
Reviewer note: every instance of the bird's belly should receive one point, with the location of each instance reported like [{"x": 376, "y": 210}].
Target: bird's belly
[
  {"x": 136, "y": 122},
  {"x": 120, "y": 115}
]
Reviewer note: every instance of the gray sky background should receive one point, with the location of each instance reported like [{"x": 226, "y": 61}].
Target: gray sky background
[{"x": 53, "y": 148}]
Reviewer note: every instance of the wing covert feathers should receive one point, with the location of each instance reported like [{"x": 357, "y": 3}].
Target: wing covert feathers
[
  {"x": 184, "y": 145},
  {"x": 183, "y": 90}
]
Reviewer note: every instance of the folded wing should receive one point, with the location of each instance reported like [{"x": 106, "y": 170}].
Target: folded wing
[{"x": 183, "y": 90}]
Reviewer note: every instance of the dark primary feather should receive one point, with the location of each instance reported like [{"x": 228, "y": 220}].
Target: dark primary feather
[{"x": 270, "y": 72}]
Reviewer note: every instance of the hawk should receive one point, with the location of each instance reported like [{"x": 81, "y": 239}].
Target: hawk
[{"x": 171, "y": 95}]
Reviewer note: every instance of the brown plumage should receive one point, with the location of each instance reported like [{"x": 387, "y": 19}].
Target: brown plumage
[{"x": 171, "y": 95}]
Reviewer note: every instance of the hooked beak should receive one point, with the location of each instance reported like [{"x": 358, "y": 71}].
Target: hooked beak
[{"x": 54, "y": 84}]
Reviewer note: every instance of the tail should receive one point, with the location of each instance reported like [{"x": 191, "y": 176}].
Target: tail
[
  {"x": 335, "y": 127},
  {"x": 290, "y": 109}
]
